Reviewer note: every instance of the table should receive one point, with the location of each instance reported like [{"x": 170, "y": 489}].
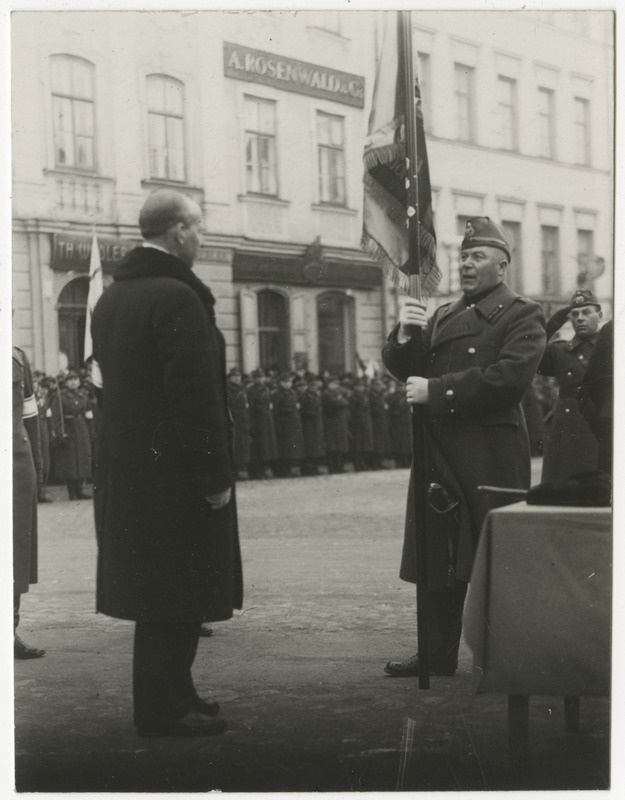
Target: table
[{"x": 538, "y": 610}]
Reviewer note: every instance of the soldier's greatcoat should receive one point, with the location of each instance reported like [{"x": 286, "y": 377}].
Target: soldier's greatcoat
[
  {"x": 72, "y": 455},
  {"x": 240, "y": 409},
  {"x": 287, "y": 424},
  {"x": 164, "y": 554},
  {"x": 480, "y": 361},
  {"x": 312, "y": 424},
  {"x": 335, "y": 420},
  {"x": 570, "y": 445},
  {"x": 26, "y": 466},
  {"x": 263, "y": 445}
]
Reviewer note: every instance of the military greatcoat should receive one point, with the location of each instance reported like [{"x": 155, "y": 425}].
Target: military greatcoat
[
  {"x": 287, "y": 424},
  {"x": 570, "y": 445},
  {"x": 26, "y": 470},
  {"x": 72, "y": 454},
  {"x": 480, "y": 360},
  {"x": 240, "y": 409},
  {"x": 164, "y": 554}
]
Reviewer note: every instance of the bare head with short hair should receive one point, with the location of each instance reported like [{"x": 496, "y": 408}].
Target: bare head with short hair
[
  {"x": 162, "y": 209},
  {"x": 173, "y": 221}
]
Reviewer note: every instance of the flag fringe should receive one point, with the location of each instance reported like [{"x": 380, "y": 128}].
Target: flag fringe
[{"x": 384, "y": 154}]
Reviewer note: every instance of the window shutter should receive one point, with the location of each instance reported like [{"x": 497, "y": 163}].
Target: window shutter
[{"x": 248, "y": 314}]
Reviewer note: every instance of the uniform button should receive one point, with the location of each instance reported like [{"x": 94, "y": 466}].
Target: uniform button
[
  {"x": 568, "y": 374},
  {"x": 449, "y": 392},
  {"x": 500, "y": 305},
  {"x": 566, "y": 410},
  {"x": 471, "y": 350},
  {"x": 472, "y": 305},
  {"x": 581, "y": 357},
  {"x": 452, "y": 410}
]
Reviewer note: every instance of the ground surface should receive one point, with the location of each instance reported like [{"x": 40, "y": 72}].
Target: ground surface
[{"x": 298, "y": 673}]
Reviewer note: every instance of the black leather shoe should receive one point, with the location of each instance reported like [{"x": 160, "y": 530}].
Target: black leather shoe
[
  {"x": 22, "y": 650},
  {"x": 194, "y": 723},
  {"x": 205, "y": 630},
  {"x": 409, "y": 667},
  {"x": 209, "y": 707},
  {"x": 82, "y": 496}
]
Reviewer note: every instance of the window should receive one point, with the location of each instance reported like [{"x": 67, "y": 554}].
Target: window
[
  {"x": 273, "y": 342},
  {"x": 545, "y": 123},
  {"x": 514, "y": 278},
  {"x": 550, "y": 259},
  {"x": 335, "y": 327},
  {"x": 582, "y": 131},
  {"x": 585, "y": 256},
  {"x": 166, "y": 127},
  {"x": 72, "y": 316},
  {"x": 331, "y": 144},
  {"x": 73, "y": 111},
  {"x": 507, "y": 113},
  {"x": 425, "y": 84},
  {"x": 260, "y": 146},
  {"x": 464, "y": 79}
]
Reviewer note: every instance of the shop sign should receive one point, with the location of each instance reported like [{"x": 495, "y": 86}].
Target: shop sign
[
  {"x": 257, "y": 66},
  {"x": 73, "y": 252}
]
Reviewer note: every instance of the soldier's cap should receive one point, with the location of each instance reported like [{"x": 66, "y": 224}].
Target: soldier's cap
[
  {"x": 583, "y": 297},
  {"x": 331, "y": 379},
  {"x": 71, "y": 374},
  {"x": 258, "y": 373},
  {"x": 234, "y": 371},
  {"x": 299, "y": 381},
  {"x": 286, "y": 376},
  {"x": 485, "y": 231}
]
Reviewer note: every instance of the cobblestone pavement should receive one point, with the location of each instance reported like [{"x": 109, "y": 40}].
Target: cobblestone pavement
[{"x": 298, "y": 672}]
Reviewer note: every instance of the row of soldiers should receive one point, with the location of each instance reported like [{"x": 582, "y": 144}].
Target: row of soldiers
[
  {"x": 284, "y": 424},
  {"x": 293, "y": 424}
]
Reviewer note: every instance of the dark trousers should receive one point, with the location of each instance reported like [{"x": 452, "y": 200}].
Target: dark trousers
[
  {"x": 163, "y": 689},
  {"x": 445, "y": 626},
  {"x": 16, "y": 610}
]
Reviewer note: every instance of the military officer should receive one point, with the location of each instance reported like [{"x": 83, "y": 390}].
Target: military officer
[
  {"x": 26, "y": 470},
  {"x": 263, "y": 446},
  {"x": 240, "y": 410},
  {"x": 479, "y": 355},
  {"x": 288, "y": 426},
  {"x": 570, "y": 446}
]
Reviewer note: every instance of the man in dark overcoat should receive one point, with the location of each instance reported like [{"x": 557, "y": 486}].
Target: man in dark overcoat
[
  {"x": 478, "y": 359},
  {"x": 288, "y": 426},
  {"x": 335, "y": 405},
  {"x": 166, "y": 524},
  {"x": 240, "y": 409},
  {"x": 26, "y": 471},
  {"x": 312, "y": 424},
  {"x": 570, "y": 445},
  {"x": 263, "y": 445},
  {"x": 596, "y": 395},
  {"x": 361, "y": 435}
]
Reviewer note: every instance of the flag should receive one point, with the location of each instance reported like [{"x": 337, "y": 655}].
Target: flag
[
  {"x": 385, "y": 211},
  {"x": 95, "y": 291}
]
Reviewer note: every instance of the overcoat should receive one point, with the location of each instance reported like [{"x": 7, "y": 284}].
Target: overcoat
[
  {"x": 72, "y": 456},
  {"x": 287, "y": 424},
  {"x": 480, "y": 360},
  {"x": 164, "y": 555},
  {"x": 379, "y": 422},
  {"x": 361, "y": 436},
  {"x": 26, "y": 466},
  {"x": 239, "y": 407},
  {"x": 400, "y": 424},
  {"x": 263, "y": 445},
  {"x": 570, "y": 446},
  {"x": 43, "y": 408},
  {"x": 312, "y": 424},
  {"x": 335, "y": 420}
]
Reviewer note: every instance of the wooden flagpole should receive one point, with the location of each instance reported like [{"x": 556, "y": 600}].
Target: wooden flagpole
[{"x": 419, "y": 476}]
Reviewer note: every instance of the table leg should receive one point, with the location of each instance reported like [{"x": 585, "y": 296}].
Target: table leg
[
  {"x": 518, "y": 724},
  {"x": 571, "y": 713}
]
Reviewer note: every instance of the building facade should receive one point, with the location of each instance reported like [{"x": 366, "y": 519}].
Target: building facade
[{"x": 261, "y": 117}]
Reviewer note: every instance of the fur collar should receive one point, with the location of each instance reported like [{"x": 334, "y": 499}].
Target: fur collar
[{"x": 148, "y": 262}]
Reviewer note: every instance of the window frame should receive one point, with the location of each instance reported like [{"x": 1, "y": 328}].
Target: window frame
[
  {"x": 271, "y": 137},
  {"x": 512, "y": 107},
  {"x": 549, "y": 118},
  {"x": 74, "y": 99},
  {"x": 329, "y": 147},
  {"x": 152, "y": 113},
  {"x": 584, "y": 127},
  {"x": 550, "y": 260},
  {"x": 469, "y": 72}
]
